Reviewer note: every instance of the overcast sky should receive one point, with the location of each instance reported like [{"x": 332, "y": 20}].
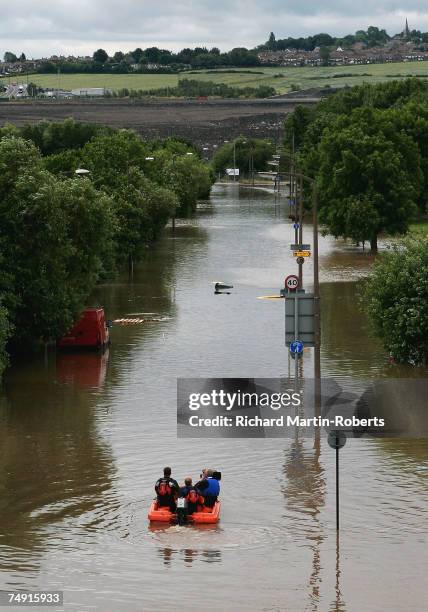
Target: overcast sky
[{"x": 45, "y": 27}]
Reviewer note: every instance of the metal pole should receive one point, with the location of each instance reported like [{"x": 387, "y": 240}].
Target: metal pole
[
  {"x": 300, "y": 227},
  {"x": 337, "y": 484},
  {"x": 234, "y": 160},
  {"x": 316, "y": 273},
  {"x": 296, "y": 337}
]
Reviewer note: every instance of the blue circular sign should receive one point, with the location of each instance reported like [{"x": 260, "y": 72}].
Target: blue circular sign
[
  {"x": 296, "y": 226},
  {"x": 296, "y": 347}
]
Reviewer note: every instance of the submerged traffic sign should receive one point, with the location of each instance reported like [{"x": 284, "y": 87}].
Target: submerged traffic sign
[
  {"x": 300, "y": 247},
  {"x": 296, "y": 347},
  {"x": 292, "y": 282}
]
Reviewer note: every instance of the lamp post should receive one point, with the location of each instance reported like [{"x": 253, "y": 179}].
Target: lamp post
[{"x": 82, "y": 172}]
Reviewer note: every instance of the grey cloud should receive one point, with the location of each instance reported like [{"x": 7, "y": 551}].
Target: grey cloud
[{"x": 45, "y": 27}]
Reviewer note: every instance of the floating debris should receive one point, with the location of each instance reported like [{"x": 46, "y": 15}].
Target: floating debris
[{"x": 133, "y": 321}]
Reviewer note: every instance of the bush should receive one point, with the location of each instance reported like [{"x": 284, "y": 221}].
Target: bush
[{"x": 396, "y": 299}]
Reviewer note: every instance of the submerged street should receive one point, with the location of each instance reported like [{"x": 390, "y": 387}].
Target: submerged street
[{"x": 84, "y": 437}]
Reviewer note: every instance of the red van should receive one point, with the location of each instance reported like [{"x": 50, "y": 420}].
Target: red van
[{"x": 90, "y": 331}]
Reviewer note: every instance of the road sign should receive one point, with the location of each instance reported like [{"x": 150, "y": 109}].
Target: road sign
[
  {"x": 296, "y": 347},
  {"x": 301, "y": 253},
  {"x": 292, "y": 282},
  {"x": 300, "y": 247},
  {"x": 300, "y": 260},
  {"x": 305, "y": 318},
  {"x": 296, "y": 226}
]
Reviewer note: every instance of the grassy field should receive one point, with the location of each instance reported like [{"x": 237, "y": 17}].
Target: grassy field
[
  {"x": 420, "y": 227},
  {"x": 282, "y": 78}
]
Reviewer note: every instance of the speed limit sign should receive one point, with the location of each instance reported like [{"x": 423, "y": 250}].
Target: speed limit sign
[{"x": 292, "y": 282}]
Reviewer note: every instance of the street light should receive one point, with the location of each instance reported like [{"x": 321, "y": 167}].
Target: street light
[{"x": 82, "y": 172}]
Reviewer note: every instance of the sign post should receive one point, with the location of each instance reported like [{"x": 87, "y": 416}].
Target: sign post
[{"x": 337, "y": 440}]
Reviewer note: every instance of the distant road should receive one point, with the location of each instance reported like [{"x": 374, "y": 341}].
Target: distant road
[{"x": 205, "y": 122}]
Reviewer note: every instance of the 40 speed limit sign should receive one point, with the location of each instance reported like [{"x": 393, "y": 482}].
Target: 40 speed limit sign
[{"x": 292, "y": 282}]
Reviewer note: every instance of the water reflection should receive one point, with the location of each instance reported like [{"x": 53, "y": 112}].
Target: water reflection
[
  {"x": 338, "y": 605},
  {"x": 84, "y": 369},
  {"x": 54, "y": 469},
  {"x": 304, "y": 493},
  {"x": 175, "y": 535}
]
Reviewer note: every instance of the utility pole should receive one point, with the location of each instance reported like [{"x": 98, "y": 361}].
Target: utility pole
[{"x": 234, "y": 160}]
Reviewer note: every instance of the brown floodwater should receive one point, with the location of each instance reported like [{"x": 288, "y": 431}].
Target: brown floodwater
[{"x": 83, "y": 437}]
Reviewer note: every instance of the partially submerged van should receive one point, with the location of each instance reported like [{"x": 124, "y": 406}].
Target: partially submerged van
[{"x": 90, "y": 331}]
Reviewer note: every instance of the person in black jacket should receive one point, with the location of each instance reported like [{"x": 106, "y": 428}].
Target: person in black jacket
[{"x": 167, "y": 490}]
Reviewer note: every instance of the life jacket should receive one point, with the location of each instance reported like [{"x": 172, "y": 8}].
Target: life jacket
[
  {"x": 192, "y": 496},
  {"x": 164, "y": 487},
  {"x": 213, "y": 487}
]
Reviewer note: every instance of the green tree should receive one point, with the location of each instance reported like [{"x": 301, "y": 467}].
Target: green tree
[
  {"x": 10, "y": 58},
  {"x": 108, "y": 157},
  {"x": 55, "y": 237},
  {"x": 271, "y": 42},
  {"x": 142, "y": 210},
  {"x": 396, "y": 299},
  {"x": 100, "y": 56},
  {"x": 369, "y": 177},
  {"x": 325, "y": 56},
  {"x": 249, "y": 153}
]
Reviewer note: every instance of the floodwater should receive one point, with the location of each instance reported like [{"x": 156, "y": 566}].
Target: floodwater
[{"x": 84, "y": 437}]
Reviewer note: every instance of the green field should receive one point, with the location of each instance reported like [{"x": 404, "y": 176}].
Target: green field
[
  {"x": 419, "y": 226},
  {"x": 282, "y": 78}
]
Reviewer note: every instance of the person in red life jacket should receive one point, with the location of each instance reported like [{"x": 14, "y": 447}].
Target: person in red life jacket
[
  {"x": 191, "y": 495},
  {"x": 209, "y": 486},
  {"x": 167, "y": 490}
]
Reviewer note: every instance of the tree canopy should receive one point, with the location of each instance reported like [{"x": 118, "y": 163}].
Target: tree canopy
[
  {"x": 367, "y": 148},
  {"x": 396, "y": 299}
]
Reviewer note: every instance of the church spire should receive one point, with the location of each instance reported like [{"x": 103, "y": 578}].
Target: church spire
[{"x": 407, "y": 31}]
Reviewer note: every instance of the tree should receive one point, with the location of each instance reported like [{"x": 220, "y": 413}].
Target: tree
[
  {"x": 142, "y": 210},
  {"x": 153, "y": 55},
  {"x": 100, "y": 56},
  {"x": 138, "y": 54},
  {"x": 55, "y": 237},
  {"x": 253, "y": 153},
  {"x": 10, "y": 58},
  {"x": 119, "y": 56},
  {"x": 325, "y": 56},
  {"x": 369, "y": 177},
  {"x": 109, "y": 157},
  {"x": 271, "y": 42},
  {"x": 396, "y": 299}
]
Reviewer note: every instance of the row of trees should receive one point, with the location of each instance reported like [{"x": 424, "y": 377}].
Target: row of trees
[
  {"x": 372, "y": 37},
  {"x": 191, "y": 88},
  {"x": 367, "y": 147},
  {"x": 59, "y": 234},
  {"x": 138, "y": 60},
  {"x": 249, "y": 154}
]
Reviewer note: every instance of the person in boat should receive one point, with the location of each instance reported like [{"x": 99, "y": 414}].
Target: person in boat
[
  {"x": 209, "y": 486},
  {"x": 167, "y": 490},
  {"x": 191, "y": 495}
]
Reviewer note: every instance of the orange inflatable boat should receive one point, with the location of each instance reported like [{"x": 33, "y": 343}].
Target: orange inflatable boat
[{"x": 164, "y": 515}]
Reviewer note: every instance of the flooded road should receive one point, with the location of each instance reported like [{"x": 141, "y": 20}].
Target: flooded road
[{"x": 83, "y": 439}]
